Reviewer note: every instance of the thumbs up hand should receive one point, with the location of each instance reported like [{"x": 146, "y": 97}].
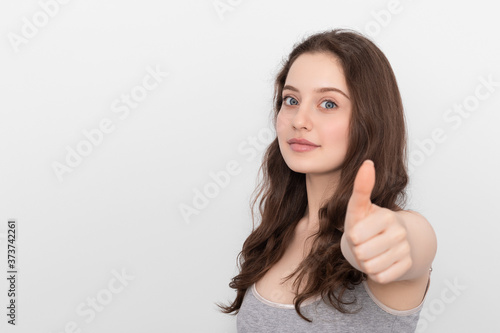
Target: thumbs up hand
[{"x": 375, "y": 238}]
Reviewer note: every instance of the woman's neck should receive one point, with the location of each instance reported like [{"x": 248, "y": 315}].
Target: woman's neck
[{"x": 320, "y": 187}]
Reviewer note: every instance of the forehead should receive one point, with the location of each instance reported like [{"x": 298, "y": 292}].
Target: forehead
[{"x": 316, "y": 70}]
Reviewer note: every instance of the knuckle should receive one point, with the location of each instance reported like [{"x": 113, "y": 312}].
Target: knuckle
[
  {"x": 399, "y": 235},
  {"x": 409, "y": 263},
  {"x": 404, "y": 233},
  {"x": 387, "y": 217},
  {"x": 353, "y": 237},
  {"x": 369, "y": 268},
  {"x": 379, "y": 278},
  {"x": 358, "y": 252},
  {"x": 348, "y": 235},
  {"x": 406, "y": 248}
]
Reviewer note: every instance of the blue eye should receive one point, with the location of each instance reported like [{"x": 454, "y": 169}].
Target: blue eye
[
  {"x": 294, "y": 103},
  {"x": 329, "y": 104}
]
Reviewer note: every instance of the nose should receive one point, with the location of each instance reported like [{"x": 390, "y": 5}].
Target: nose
[{"x": 302, "y": 118}]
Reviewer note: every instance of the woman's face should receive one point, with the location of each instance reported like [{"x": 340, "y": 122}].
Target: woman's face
[{"x": 316, "y": 107}]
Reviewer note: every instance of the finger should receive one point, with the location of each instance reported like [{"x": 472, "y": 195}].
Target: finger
[
  {"x": 394, "y": 272},
  {"x": 371, "y": 226},
  {"x": 385, "y": 260},
  {"x": 373, "y": 247},
  {"x": 360, "y": 202}
]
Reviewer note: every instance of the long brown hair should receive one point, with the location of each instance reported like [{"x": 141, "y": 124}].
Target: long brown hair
[{"x": 377, "y": 131}]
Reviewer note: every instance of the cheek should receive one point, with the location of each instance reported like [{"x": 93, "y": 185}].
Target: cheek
[
  {"x": 281, "y": 123},
  {"x": 337, "y": 133}
]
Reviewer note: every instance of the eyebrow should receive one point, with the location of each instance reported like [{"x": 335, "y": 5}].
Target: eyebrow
[{"x": 319, "y": 90}]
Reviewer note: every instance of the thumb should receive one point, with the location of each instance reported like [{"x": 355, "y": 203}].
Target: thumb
[{"x": 360, "y": 202}]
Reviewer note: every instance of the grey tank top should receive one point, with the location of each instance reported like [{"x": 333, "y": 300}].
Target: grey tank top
[{"x": 258, "y": 314}]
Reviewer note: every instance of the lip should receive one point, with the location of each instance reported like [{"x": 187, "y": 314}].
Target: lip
[
  {"x": 302, "y": 142},
  {"x": 301, "y": 145}
]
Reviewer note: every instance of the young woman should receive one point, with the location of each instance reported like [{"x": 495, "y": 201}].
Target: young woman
[{"x": 335, "y": 251}]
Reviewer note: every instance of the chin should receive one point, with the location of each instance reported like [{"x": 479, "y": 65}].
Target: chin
[
  {"x": 312, "y": 167},
  {"x": 304, "y": 168}
]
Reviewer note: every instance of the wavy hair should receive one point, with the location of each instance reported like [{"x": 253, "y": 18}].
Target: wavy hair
[{"x": 377, "y": 131}]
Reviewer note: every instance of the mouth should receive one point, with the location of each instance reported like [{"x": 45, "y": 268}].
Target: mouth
[
  {"x": 303, "y": 142},
  {"x": 302, "y": 145}
]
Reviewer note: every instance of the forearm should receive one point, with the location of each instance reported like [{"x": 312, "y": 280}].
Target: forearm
[{"x": 423, "y": 243}]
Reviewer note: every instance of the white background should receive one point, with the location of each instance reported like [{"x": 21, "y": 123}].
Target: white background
[{"x": 119, "y": 209}]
